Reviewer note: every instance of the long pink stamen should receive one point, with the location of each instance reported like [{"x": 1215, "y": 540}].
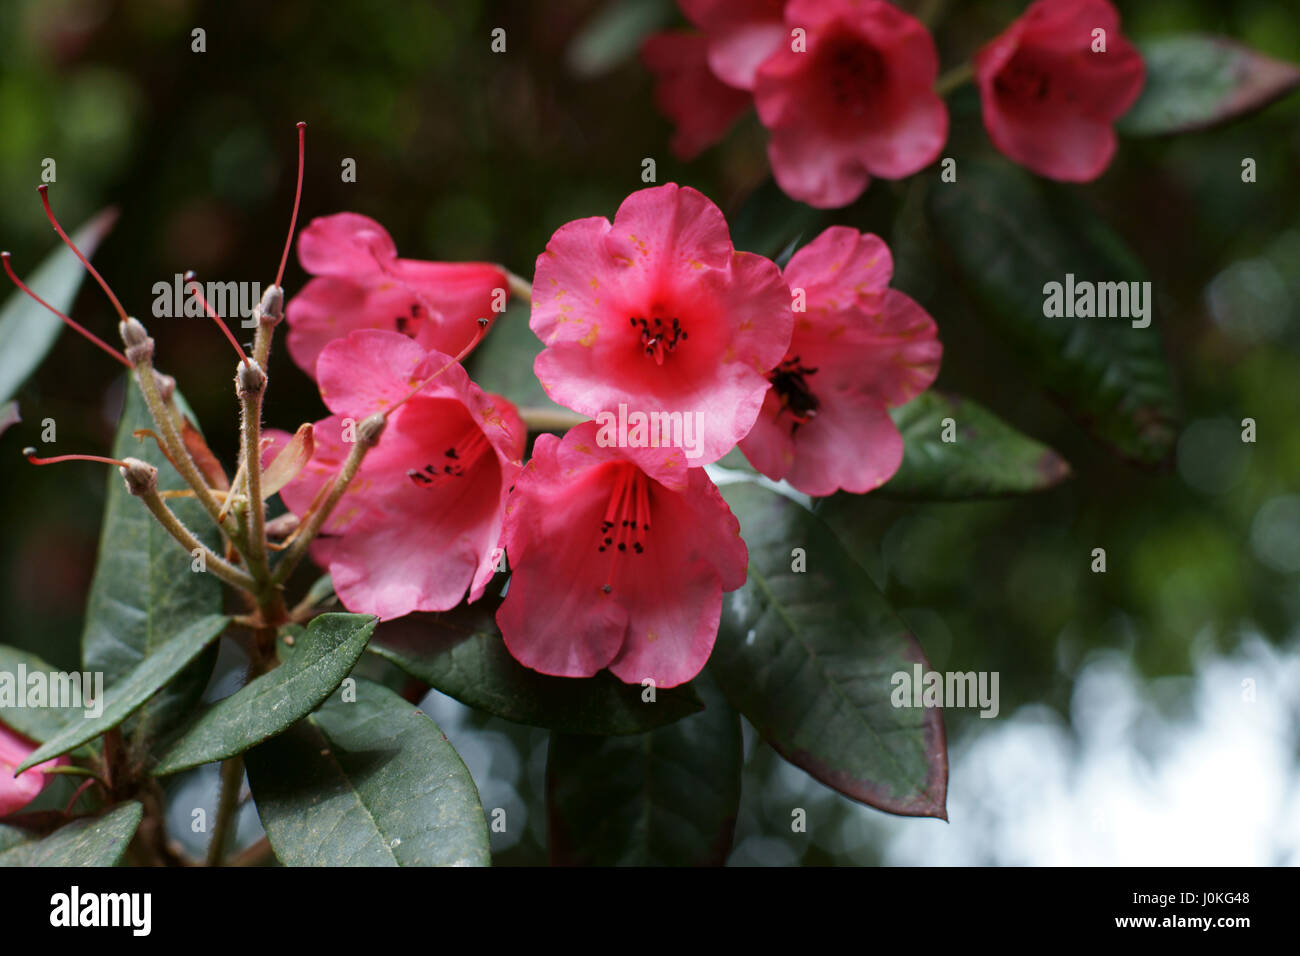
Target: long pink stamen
[
  {"x": 297, "y": 198},
  {"x": 627, "y": 516},
  {"x": 483, "y": 326},
  {"x": 78, "y": 328},
  {"x": 30, "y": 455},
  {"x": 43, "y": 189},
  {"x": 198, "y": 291}
]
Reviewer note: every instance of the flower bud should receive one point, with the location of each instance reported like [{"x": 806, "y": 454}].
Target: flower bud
[
  {"x": 139, "y": 347},
  {"x": 141, "y": 477},
  {"x": 271, "y": 309},
  {"x": 369, "y": 429},
  {"x": 249, "y": 379}
]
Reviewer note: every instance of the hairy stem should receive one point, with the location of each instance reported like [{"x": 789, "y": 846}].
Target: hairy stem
[
  {"x": 954, "y": 78},
  {"x": 176, "y": 528},
  {"x": 368, "y": 433},
  {"x": 250, "y": 400},
  {"x": 550, "y": 419},
  {"x": 176, "y": 449}
]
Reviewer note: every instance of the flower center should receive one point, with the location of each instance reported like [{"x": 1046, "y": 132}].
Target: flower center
[
  {"x": 1020, "y": 80},
  {"x": 789, "y": 379},
  {"x": 658, "y": 335},
  {"x": 623, "y": 530},
  {"x": 855, "y": 75},
  {"x": 456, "y": 460}
]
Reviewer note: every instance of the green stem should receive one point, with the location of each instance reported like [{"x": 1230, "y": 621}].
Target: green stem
[
  {"x": 251, "y": 428},
  {"x": 232, "y": 778},
  {"x": 549, "y": 419},
  {"x": 176, "y": 450},
  {"x": 368, "y": 433},
  {"x": 954, "y": 78},
  {"x": 213, "y": 562}
]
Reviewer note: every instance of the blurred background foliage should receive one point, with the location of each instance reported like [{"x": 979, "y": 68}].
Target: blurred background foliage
[{"x": 463, "y": 153}]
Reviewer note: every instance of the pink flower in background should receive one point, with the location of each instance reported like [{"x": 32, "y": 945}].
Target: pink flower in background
[
  {"x": 1049, "y": 100},
  {"x": 740, "y": 35},
  {"x": 859, "y": 349},
  {"x": 858, "y": 103},
  {"x": 17, "y": 792},
  {"x": 659, "y": 313},
  {"x": 613, "y": 566},
  {"x": 420, "y": 523},
  {"x": 361, "y": 284},
  {"x": 700, "y": 105}
]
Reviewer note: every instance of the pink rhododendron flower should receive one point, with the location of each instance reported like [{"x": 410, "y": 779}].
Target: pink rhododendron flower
[
  {"x": 1049, "y": 100},
  {"x": 700, "y": 105},
  {"x": 659, "y": 313},
  {"x": 740, "y": 34},
  {"x": 859, "y": 102},
  {"x": 361, "y": 284},
  {"x": 859, "y": 349},
  {"x": 17, "y": 792},
  {"x": 420, "y": 523},
  {"x": 614, "y": 566}
]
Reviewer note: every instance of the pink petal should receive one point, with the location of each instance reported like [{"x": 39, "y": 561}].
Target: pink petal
[
  {"x": 345, "y": 244},
  {"x": 701, "y": 107}
]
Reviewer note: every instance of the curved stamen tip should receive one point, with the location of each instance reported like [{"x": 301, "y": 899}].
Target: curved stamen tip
[
  {"x": 44, "y": 190},
  {"x": 297, "y": 199}
]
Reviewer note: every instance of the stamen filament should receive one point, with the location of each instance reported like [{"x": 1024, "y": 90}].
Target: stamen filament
[
  {"x": 86, "y": 333},
  {"x": 30, "y": 455},
  {"x": 43, "y": 189},
  {"x": 297, "y": 198},
  {"x": 190, "y": 277}
]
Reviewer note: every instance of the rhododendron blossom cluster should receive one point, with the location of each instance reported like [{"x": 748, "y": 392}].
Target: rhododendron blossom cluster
[
  {"x": 620, "y": 552},
  {"x": 848, "y": 89}
]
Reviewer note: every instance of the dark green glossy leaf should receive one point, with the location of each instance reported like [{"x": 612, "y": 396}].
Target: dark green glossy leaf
[
  {"x": 144, "y": 591},
  {"x": 27, "y": 330},
  {"x": 268, "y": 705},
  {"x": 1195, "y": 81},
  {"x": 462, "y": 654},
  {"x": 1011, "y": 235},
  {"x": 129, "y": 694},
  {"x": 369, "y": 783},
  {"x": 668, "y": 797},
  {"x": 988, "y": 458},
  {"x": 98, "y": 841},
  {"x": 808, "y": 657},
  {"x": 36, "y": 723}
]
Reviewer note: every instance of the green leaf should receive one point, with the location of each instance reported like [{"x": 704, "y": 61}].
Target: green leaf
[
  {"x": 129, "y": 694},
  {"x": 1196, "y": 81},
  {"x": 9, "y": 416},
  {"x": 98, "y": 841},
  {"x": 1011, "y": 235},
  {"x": 462, "y": 654},
  {"x": 988, "y": 458},
  {"x": 268, "y": 705},
  {"x": 27, "y": 329},
  {"x": 369, "y": 783},
  {"x": 808, "y": 657},
  {"x": 11, "y": 836},
  {"x": 664, "y": 798},
  {"x": 772, "y": 224},
  {"x": 614, "y": 33},
  {"x": 503, "y": 362},
  {"x": 144, "y": 591},
  {"x": 36, "y": 723}
]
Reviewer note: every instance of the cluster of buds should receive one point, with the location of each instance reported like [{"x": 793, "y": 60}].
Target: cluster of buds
[{"x": 250, "y": 544}]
